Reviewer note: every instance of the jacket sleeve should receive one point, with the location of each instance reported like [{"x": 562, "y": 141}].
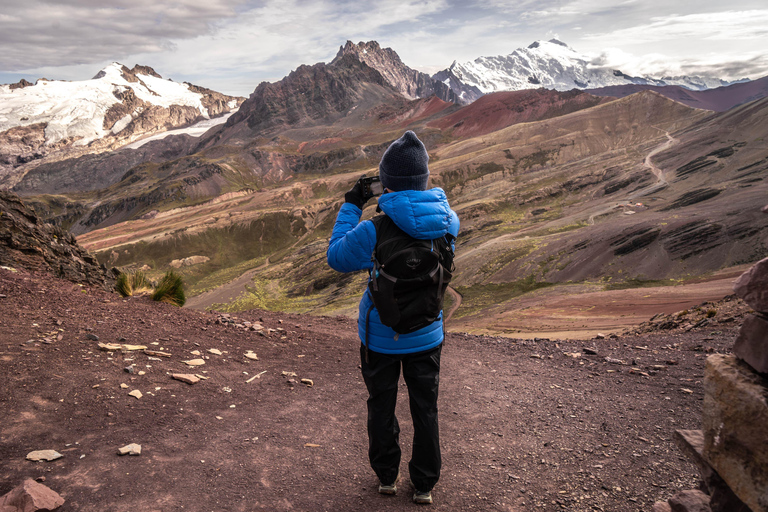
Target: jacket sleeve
[{"x": 352, "y": 242}]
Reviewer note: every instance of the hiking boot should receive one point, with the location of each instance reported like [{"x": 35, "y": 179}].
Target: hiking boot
[
  {"x": 422, "y": 497},
  {"x": 391, "y": 488}
]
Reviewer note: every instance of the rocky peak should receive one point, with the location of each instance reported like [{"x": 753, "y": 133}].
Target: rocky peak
[
  {"x": 28, "y": 243},
  {"x": 144, "y": 70},
  {"x": 409, "y": 82},
  {"x": 20, "y": 84}
]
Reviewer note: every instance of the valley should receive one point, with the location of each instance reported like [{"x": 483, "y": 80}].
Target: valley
[{"x": 560, "y": 194}]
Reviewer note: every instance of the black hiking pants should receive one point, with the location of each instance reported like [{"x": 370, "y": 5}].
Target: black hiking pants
[{"x": 422, "y": 376}]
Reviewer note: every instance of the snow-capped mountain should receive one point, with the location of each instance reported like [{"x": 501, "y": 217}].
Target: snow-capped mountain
[
  {"x": 551, "y": 64},
  {"x": 115, "y": 107}
]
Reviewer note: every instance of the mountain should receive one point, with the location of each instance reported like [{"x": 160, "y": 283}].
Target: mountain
[
  {"x": 553, "y": 189},
  {"x": 117, "y": 106},
  {"x": 597, "y": 196},
  {"x": 411, "y": 83},
  {"x": 551, "y": 64},
  {"x": 718, "y": 99}
]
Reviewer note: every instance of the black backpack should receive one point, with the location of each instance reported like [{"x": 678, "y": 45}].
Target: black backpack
[{"x": 409, "y": 276}]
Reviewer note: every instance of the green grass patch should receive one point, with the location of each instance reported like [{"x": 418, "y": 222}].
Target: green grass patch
[
  {"x": 170, "y": 290},
  {"x": 133, "y": 284}
]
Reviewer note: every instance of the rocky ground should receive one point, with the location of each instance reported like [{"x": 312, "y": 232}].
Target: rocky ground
[{"x": 525, "y": 424}]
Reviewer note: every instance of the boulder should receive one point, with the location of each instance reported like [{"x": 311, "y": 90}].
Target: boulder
[
  {"x": 752, "y": 286},
  {"x": 30, "y": 496},
  {"x": 690, "y": 501},
  {"x": 734, "y": 423},
  {"x": 661, "y": 506},
  {"x": 752, "y": 343}
]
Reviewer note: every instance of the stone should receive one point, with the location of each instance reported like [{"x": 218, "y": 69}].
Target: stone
[
  {"x": 135, "y": 393},
  {"x": 661, "y": 506},
  {"x": 195, "y": 362},
  {"x": 251, "y": 355},
  {"x": 186, "y": 377},
  {"x": 752, "y": 286},
  {"x": 48, "y": 455},
  {"x": 109, "y": 346},
  {"x": 92, "y": 337},
  {"x": 134, "y": 347},
  {"x": 124, "y": 386},
  {"x": 690, "y": 501},
  {"x": 764, "y": 209},
  {"x": 130, "y": 449},
  {"x": 589, "y": 351},
  {"x": 157, "y": 353},
  {"x": 129, "y": 369},
  {"x": 214, "y": 351},
  {"x": 308, "y": 382},
  {"x": 30, "y": 496},
  {"x": 734, "y": 423},
  {"x": 751, "y": 345}
]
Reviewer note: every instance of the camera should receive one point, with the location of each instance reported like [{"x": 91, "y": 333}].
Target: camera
[{"x": 371, "y": 187}]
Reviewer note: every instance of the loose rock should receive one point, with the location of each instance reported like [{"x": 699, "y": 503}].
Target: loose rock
[
  {"x": 130, "y": 449},
  {"x": 195, "y": 362},
  {"x": 251, "y": 355},
  {"x": 30, "y": 496},
  {"x": 135, "y": 393},
  {"x": 752, "y": 344},
  {"x": 186, "y": 377},
  {"x": 48, "y": 455},
  {"x": 752, "y": 286},
  {"x": 690, "y": 501}
]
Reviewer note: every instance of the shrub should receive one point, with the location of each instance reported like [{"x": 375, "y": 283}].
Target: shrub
[
  {"x": 711, "y": 313},
  {"x": 134, "y": 283},
  {"x": 170, "y": 289}
]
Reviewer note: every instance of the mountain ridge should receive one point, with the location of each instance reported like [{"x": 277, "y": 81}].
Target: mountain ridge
[
  {"x": 55, "y": 119},
  {"x": 551, "y": 64}
]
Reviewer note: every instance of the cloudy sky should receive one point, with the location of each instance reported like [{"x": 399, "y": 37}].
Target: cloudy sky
[{"x": 232, "y": 45}]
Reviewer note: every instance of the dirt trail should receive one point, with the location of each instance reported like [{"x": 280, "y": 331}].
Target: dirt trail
[
  {"x": 661, "y": 181},
  {"x": 524, "y": 425}
]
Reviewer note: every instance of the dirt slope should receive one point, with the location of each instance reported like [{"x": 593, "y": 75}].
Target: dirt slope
[{"x": 524, "y": 426}]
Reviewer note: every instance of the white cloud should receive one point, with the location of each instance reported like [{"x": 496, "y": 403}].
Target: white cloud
[
  {"x": 37, "y": 33},
  {"x": 232, "y": 45},
  {"x": 727, "y": 25}
]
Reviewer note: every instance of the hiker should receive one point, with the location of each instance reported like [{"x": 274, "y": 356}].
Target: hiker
[{"x": 412, "y": 215}]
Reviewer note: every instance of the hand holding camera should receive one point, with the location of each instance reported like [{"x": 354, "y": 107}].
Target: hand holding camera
[{"x": 364, "y": 189}]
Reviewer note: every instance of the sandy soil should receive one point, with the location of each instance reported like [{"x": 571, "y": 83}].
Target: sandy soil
[{"x": 525, "y": 425}]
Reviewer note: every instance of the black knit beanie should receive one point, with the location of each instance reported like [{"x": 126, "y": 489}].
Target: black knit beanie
[{"x": 404, "y": 164}]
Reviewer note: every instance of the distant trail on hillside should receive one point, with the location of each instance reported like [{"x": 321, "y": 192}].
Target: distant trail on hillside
[
  {"x": 457, "y": 298},
  {"x": 661, "y": 181}
]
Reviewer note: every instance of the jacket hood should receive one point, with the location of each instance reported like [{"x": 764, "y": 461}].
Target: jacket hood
[{"x": 422, "y": 214}]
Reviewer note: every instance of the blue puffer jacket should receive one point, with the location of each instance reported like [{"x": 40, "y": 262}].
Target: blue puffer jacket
[{"x": 423, "y": 214}]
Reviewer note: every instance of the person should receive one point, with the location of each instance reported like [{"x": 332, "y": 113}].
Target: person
[{"x": 426, "y": 215}]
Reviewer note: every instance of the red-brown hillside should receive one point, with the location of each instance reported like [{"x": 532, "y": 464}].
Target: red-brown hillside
[{"x": 498, "y": 110}]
